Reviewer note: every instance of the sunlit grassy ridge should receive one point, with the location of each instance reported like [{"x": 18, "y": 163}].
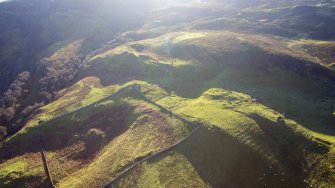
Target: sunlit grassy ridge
[
  {"x": 205, "y": 77},
  {"x": 79, "y": 95},
  {"x": 148, "y": 131},
  {"x": 225, "y": 62},
  {"x": 250, "y": 124},
  {"x": 279, "y": 85}
]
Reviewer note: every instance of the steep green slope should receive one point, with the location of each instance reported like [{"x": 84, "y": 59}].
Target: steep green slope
[
  {"x": 242, "y": 144},
  {"x": 283, "y": 79},
  {"x": 235, "y": 86}
]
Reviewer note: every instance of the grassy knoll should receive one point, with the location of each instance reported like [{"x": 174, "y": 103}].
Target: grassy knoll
[
  {"x": 123, "y": 120},
  {"x": 241, "y": 144}
]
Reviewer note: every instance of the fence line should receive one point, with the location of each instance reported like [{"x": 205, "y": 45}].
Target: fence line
[
  {"x": 45, "y": 164},
  {"x": 56, "y": 118},
  {"x": 121, "y": 174},
  {"x": 163, "y": 109}
]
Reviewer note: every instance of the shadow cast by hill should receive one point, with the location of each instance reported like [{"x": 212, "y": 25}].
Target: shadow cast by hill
[{"x": 223, "y": 161}]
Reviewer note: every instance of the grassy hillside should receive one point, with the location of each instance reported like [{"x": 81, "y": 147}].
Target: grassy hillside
[
  {"x": 205, "y": 77},
  {"x": 113, "y": 123},
  {"x": 264, "y": 104},
  {"x": 191, "y": 72},
  {"x": 248, "y": 147}
]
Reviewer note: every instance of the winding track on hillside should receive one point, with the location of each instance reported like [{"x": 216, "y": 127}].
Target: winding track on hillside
[{"x": 121, "y": 174}]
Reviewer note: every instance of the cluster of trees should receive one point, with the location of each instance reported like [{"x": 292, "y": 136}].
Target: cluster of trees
[
  {"x": 56, "y": 78},
  {"x": 10, "y": 102},
  {"x": 17, "y": 104}
]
